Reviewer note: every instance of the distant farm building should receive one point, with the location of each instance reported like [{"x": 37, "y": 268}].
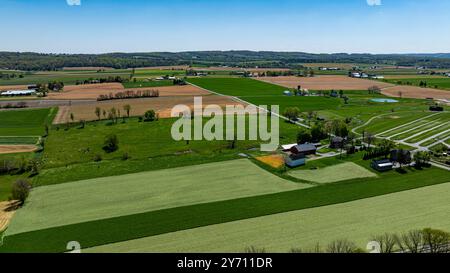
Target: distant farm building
[
  {"x": 436, "y": 108},
  {"x": 305, "y": 149},
  {"x": 13, "y": 93},
  {"x": 382, "y": 165},
  {"x": 295, "y": 160}
]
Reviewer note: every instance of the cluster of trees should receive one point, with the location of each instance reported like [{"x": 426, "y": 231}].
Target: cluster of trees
[
  {"x": 19, "y": 166},
  {"x": 316, "y": 134},
  {"x": 55, "y": 86},
  {"x": 179, "y": 82},
  {"x": 422, "y": 158},
  {"x": 374, "y": 90},
  {"x": 416, "y": 241},
  {"x": 118, "y": 79},
  {"x": 112, "y": 114},
  {"x": 9, "y": 105},
  {"x": 8, "y": 76},
  {"x": 383, "y": 150},
  {"x": 129, "y": 95},
  {"x": 277, "y": 73}
]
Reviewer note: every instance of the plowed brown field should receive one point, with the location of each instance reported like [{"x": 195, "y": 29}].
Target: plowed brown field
[{"x": 162, "y": 105}]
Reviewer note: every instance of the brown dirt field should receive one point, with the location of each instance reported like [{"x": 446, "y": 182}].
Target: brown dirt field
[
  {"x": 13, "y": 87},
  {"x": 15, "y": 149},
  {"x": 415, "y": 92},
  {"x": 162, "y": 105},
  {"x": 275, "y": 161},
  {"x": 93, "y": 91},
  {"x": 325, "y": 82},
  {"x": 6, "y": 213},
  {"x": 86, "y": 91}
]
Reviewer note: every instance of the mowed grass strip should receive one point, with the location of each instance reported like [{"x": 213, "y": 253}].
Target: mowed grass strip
[
  {"x": 340, "y": 172},
  {"x": 390, "y": 121},
  {"x": 115, "y": 196},
  {"x": 357, "y": 221},
  {"x": 119, "y": 229},
  {"x": 25, "y": 122}
]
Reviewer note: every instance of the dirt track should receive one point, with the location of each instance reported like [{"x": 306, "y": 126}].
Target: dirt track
[
  {"x": 15, "y": 149},
  {"x": 324, "y": 82}
]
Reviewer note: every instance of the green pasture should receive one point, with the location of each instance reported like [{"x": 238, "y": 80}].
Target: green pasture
[
  {"x": 112, "y": 230},
  {"x": 356, "y": 221},
  {"x": 432, "y": 82},
  {"x": 116, "y": 196},
  {"x": 331, "y": 174},
  {"x": 23, "y": 123}
]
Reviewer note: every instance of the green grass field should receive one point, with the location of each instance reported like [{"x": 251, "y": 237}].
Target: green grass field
[
  {"x": 52, "y": 206},
  {"x": 112, "y": 230},
  {"x": 140, "y": 140},
  {"x": 239, "y": 87},
  {"x": 143, "y": 84},
  {"x": 25, "y": 122},
  {"x": 356, "y": 221},
  {"x": 68, "y": 77},
  {"x": 340, "y": 172},
  {"x": 432, "y": 82}
]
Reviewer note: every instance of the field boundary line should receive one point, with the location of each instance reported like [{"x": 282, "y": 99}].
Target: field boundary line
[{"x": 260, "y": 108}]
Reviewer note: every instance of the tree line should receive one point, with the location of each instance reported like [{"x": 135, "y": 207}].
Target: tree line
[{"x": 37, "y": 62}]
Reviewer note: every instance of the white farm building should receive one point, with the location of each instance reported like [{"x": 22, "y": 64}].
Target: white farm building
[{"x": 19, "y": 93}]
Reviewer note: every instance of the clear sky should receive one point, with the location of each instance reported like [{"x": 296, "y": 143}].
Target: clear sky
[{"x": 317, "y": 26}]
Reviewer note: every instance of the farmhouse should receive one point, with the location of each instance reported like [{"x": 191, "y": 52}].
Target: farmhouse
[
  {"x": 19, "y": 93},
  {"x": 305, "y": 149},
  {"x": 382, "y": 165}
]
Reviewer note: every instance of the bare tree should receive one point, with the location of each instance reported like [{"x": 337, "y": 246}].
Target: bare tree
[
  {"x": 410, "y": 242},
  {"x": 387, "y": 242},
  {"x": 341, "y": 246}
]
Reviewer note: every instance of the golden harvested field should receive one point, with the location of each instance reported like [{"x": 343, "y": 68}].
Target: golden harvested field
[
  {"x": 162, "y": 105},
  {"x": 15, "y": 149},
  {"x": 275, "y": 161},
  {"x": 93, "y": 91},
  {"x": 13, "y": 87},
  {"x": 415, "y": 92},
  {"x": 324, "y": 82},
  {"x": 6, "y": 213}
]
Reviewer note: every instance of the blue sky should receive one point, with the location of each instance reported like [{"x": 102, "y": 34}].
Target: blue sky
[{"x": 317, "y": 26}]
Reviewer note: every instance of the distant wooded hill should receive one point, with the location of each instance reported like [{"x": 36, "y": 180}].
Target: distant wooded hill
[{"x": 36, "y": 61}]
